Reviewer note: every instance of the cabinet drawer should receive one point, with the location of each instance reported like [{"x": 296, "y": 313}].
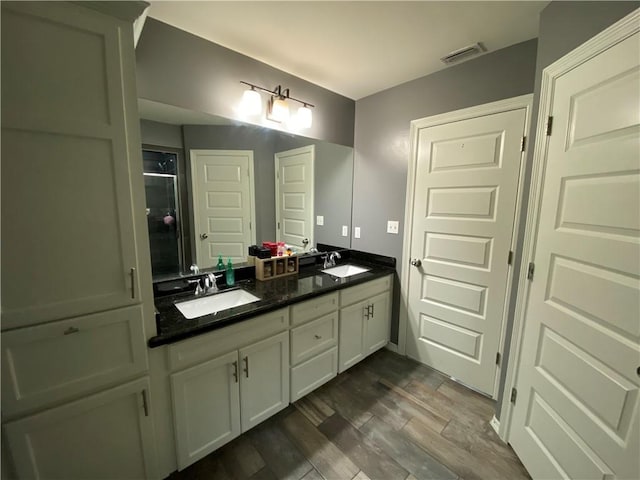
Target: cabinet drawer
[
  {"x": 203, "y": 347},
  {"x": 317, "y": 371},
  {"x": 314, "y": 337},
  {"x": 364, "y": 291},
  {"x": 47, "y": 363},
  {"x": 305, "y": 311}
]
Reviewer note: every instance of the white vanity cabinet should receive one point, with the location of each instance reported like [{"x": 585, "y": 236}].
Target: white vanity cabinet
[
  {"x": 314, "y": 339},
  {"x": 76, "y": 280},
  {"x": 217, "y": 399},
  {"x": 365, "y": 320},
  {"x": 107, "y": 435},
  {"x": 72, "y": 186}
]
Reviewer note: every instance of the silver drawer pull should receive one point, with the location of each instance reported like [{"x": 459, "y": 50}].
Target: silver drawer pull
[
  {"x": 318, "y": 337},
  {"x": 71, "y": 330}
]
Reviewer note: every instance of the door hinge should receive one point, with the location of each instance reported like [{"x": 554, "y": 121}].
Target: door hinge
[
  {"x": 523, "y": 142},
  {"x": 510, "y": 257},
  {"x": 549, "y": 125},
  {"x": 514, "y": 395},
  {"x": 530, "y": 271},
  {"x": 498, "y": 358},
  {"x": 278, "y": 225}
]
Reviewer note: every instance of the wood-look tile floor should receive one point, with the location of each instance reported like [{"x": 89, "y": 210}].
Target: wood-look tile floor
[{"x": 386, "y": 418}]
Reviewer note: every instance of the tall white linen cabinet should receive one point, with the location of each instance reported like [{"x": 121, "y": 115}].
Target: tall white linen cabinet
[{"x": 77, "y": 303}]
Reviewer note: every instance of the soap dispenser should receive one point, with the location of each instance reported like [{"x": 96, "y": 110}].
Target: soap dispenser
[
  {"x": 220, "y": 265},
  {"x": 230, "y": 275}
]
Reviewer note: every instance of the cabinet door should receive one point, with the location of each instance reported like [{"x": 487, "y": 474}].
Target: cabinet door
[
  {"x": 108, "y": 435},
  {"x": 264, "y": 384},
  {"x": 352, "y": 335},
  {"x": 206, "y": 407},
  {"x": 69, "y": 138},
  {"x": 378, "y": 328}
]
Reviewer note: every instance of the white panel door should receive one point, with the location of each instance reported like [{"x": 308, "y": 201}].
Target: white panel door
[
  {"x": 294, "y": 197},
  {"x": 223, "y": 205},
  {"x": 264, "y": 380},
  {"x": 206, "y": 407},
  {"x": 464, "y": 205},
  {"x": 105, "y": 436},
  {"x": 576, "y": 415},
  {"x": 68, "y": 153}
]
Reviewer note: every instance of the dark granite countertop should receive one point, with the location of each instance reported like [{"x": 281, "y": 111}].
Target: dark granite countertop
[{"x": 172, "y": 326}]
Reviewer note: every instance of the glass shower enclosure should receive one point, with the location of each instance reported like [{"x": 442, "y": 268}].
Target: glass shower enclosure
[{"x": 163, "y": 211}]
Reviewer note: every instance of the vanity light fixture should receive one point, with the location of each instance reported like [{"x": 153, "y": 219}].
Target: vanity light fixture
[{"x": 277, "y": 106}]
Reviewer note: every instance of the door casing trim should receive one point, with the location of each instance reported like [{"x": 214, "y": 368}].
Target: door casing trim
[
  {"x": 616, "y": 33},
  {"x": 515, "y": 103}
]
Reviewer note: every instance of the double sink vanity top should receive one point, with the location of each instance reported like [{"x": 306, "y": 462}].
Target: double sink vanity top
[{"x": 184, "y": 315}]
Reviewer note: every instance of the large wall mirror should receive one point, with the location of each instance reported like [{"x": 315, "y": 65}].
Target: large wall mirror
[{"x": 215, "y": 186}]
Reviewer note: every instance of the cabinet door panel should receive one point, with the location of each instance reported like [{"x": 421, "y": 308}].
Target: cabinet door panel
[
  {"x": 313, "y": 373},
  {"x": 264, "y": 383},
  {"x": 105, "y": 436},
  {"x": 352, "y": 335},
  {"x": 52, "y": 362},
  {"x": 206, "y": 407},
  {"x": 378, "y": 328},
  {"x": 68, "y": 242}
]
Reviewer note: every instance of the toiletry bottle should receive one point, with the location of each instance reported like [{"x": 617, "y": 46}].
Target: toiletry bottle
[
  {"x": 220, "y": 265},
  {"x": 230, "y": 276}
]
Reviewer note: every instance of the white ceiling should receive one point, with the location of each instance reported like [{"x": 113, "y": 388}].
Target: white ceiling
[{"x": 354, "y": 48}]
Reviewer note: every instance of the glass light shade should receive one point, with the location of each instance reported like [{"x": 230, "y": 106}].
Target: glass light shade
[
  {"x": 251, "y": 102},
  {"x": 304, "y": 117},
  {"x": 279, "y": 110}
]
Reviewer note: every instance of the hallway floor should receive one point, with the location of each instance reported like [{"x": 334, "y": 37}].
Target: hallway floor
[{"x": 386, "y": 418}]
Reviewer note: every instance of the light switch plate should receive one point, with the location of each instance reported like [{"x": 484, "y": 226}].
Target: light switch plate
[
  {"x": 356, "y": 232},
  {"x": 320, "y": 220},
  {"x": 345, "y": 230},
  {"x": 392, "y": 227}
]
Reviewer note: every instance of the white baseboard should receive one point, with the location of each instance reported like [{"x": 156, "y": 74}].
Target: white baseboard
[{"x": 495, "y": 424}]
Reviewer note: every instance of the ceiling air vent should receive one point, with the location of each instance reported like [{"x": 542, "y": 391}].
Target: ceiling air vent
[{"x": 463, "y": 53}]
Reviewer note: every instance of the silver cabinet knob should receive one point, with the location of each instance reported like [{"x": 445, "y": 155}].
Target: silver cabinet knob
[
  {"x": 416, "y": 262},
  {"x": 203, "y": 236}
]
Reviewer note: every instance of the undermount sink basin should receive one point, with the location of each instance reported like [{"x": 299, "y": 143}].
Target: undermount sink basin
[
  {"x": 343, "y": 271},
  {"x": 215, "y": 303}
]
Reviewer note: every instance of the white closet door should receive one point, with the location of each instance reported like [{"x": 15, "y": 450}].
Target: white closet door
[
  {"x": 466, "y": 186},
  {"x": 576, "y": 415}
]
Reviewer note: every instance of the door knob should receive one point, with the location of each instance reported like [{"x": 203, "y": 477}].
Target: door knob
[
  {"x": 203, "y": 236},
  {"x": 305, "y": 242},
  {"x": 416, "y": 262}
]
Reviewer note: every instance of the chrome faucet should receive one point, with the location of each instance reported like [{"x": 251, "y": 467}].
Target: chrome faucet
[
  {"x": 330, "y": 259},
  {"x": 194, "y": 269},
  {"x": 210, "y": 284}
]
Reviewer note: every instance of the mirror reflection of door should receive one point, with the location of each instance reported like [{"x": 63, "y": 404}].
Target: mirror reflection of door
[
  {"x": 163, "y": 212},
  {"x": 223, "y": 205},
  {"x": 294, "y": 197}
]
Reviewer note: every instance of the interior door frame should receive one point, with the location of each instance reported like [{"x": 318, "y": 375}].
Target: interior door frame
[
  {"x": 515, "y": 103},
  {"x": 617, "y": 32},
  {"x": 195, "y": 226},
  {"x": 312, "y": 149}
]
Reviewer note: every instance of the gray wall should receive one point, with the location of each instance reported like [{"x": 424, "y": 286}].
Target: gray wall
[
  {"x": 180, "y": 69},
  {"x": 161, "y": 134},
  {"x": 563, "y": 27},
  {"x": 382, "y": 137}
]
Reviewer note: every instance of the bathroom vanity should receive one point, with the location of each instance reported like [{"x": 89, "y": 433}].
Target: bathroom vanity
[{"x": 231, "y": 370}]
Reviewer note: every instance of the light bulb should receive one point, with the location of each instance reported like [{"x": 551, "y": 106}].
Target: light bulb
[
  {"x": 251, "y": 102},
  {"x": 279, "y": 110},
  {"x": 304, "y": 117}
]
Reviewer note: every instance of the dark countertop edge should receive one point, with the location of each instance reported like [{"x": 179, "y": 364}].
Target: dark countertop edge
[{"x": 381, "y": 271}]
